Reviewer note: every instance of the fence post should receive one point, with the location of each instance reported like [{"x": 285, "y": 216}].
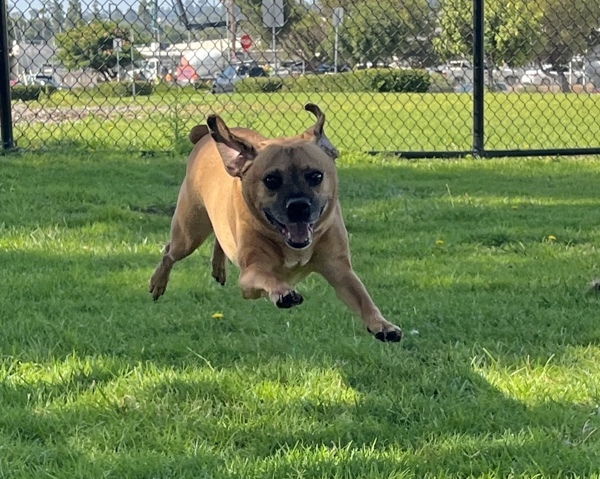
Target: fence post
[
  {"x": 478, "y": 78},
  {"x": 5, "y": 111}
]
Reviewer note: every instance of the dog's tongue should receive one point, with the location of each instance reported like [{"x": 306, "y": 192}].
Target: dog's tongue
[{"x": 298, "y": 233}]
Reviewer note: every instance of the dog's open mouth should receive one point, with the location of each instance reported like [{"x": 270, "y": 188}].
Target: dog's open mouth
[{"x": 296, "y": 235}]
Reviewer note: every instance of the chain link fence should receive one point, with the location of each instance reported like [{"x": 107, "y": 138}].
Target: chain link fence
[{"x": 397, "y": 76}]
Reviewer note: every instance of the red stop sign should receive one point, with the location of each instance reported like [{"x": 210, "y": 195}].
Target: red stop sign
[{"x": 246, "y": 42}]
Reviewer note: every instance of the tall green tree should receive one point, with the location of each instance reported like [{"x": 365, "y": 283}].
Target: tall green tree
[
  {"x": 382, "y": 29},
  {"x": 251, "y": 12},
  {"x": 96, "y": 9},
  {"x": 74, "y": 14},
  {"x": 57, "y": 16},
  {"x": 512, "y": 29},
  {"x": 372, "y": 29},
  {"x": 309, "y": 37},
  {"x": 39, "y": 25},
  {"x": 143, "y": 13},
  {"x": 567, "y": 30},
  {"x": 92, "y": 46}
]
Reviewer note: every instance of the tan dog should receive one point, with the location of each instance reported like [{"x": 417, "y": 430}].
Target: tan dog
[{"x": 273, "y": 207}]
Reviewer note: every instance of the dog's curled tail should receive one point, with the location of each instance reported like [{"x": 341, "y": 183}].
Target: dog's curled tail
[{"x": 197, "y": 133}]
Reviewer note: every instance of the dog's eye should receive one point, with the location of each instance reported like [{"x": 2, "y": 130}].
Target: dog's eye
[
  {"x": 273, "y": 181},
  {"x": 314, "y": 178}
]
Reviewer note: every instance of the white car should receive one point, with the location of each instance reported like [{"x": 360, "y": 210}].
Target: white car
[
  {"x": 460, "y": 72},
  {"x": 548, "y": 77},
  {"x": 508, "y": 75},
  {"x": 538, "y": 77}
]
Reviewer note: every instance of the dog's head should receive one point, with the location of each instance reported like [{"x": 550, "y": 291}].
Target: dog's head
[{"x": 288, "y": 184}]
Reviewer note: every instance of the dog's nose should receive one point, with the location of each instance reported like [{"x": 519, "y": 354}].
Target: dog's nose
[{"x": 298, "y": 210}]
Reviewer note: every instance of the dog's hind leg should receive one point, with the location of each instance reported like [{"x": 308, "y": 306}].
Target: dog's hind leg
[
  {"x": 219, "y": 263},
  {"x": 190, "y": 226}
]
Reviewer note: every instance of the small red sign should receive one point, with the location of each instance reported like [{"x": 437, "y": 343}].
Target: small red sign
[{"x": 246, "y": 42}]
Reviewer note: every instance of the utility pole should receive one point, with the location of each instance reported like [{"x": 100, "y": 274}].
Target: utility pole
[{"x": 230, "y": 5}]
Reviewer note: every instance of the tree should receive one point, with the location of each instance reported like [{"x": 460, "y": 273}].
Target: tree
[
  {"x": 308, "y": 37},
  {"x": 116, "y": 15},
  {"x": 382, "y": 29},
  {"x": 91, "y": 46},
  {"x": 567, "y": 30},
  {"x": 38, "y": 27},
  {"x": 251, "y": 11},
  {"x": 143, "y": 13},
  {"x": 57, "y": 16},
  {"x": 372, "y": 29},
  {"x": 511, "y": 29},
  {"x": 74, "y": 14},
  {"x": 96, "y": 9}
]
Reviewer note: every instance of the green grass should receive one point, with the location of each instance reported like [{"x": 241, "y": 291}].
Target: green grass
[
  {"x": 356, "y": 121},
  {"x": 499, "y": 374}
]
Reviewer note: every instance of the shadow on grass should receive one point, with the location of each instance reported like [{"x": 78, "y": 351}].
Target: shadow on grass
[{"x": 432, "y": 420}]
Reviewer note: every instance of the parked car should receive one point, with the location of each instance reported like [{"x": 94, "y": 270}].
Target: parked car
[
  {"x": 41, "y": 79},
  {"x": 323, "y": 68},
  {"x": 547, "y": 76},
  {"x": 592, "y": 71},
  {"x": 294, "y": 67},
  {"x": 537, "y": 77},
  {"x": 44, "y": 80},
  {"x": 461, "y": 72},
  {"x": 251, "y": 71},
  {"x": 326, "y": 68},
  {"x": 508, "y": 75},
  {"x": 225, "y": 81}
]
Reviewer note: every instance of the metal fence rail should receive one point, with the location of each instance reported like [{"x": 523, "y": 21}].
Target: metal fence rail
[{"x": 420, "y": 78}]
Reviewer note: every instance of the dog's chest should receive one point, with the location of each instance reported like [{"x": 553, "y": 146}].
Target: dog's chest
[
  {"x": 295, "y": 262},
  {"x": 296, "y": 267}
]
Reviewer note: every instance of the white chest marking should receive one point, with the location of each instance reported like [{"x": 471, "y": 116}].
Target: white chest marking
[{"x": 290, "y": 263}]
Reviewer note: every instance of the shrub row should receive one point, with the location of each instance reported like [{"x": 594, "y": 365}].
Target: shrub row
[
  {"x": 30, "y": 92},
  {"x": 108, "y": 89},
  {"x": 123, "y": 89},
  {"x": 373, "y": 80},
  {"x": 259, "y": 85},
  {"x": 163, "y": 88}
]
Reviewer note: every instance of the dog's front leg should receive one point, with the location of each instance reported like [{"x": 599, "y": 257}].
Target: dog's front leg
[
  {"x": 257, "y": 282},
  {"x": 353, "y": 293}
]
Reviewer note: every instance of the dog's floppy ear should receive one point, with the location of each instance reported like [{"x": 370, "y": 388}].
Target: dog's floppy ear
[
  {"x": 316, "y": 132},
  {"x": 237, "y": 154},
  {"x": 197, "y": 133}
]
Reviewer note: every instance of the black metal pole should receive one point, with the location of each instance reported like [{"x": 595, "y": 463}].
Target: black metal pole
[
  {"x": 478, "y": 78},
  {"x": 5, "y": 111}
]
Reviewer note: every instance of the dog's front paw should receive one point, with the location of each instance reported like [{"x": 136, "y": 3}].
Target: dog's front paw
[
  {"x": 158, "y": 282},
  {"x": 288, "y": 299},
  {"x": 156, "y": 290},
  {"x": 219, "y": 274},
  {"x": 388, "y": 332}
]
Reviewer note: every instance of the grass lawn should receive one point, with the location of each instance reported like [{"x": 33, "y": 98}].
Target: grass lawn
[
  {"x": 356, "y": 121},
  {"x": 483, "y": 263}
]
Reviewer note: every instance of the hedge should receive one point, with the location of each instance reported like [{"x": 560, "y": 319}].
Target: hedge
[
  {"x": 259, "y": 85},
  {"x": 163, "y": 87},
  {"x": 374, "y": 80},
  {"x": 26, "y": 92},
  {"x": 123, "y": 89}
]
